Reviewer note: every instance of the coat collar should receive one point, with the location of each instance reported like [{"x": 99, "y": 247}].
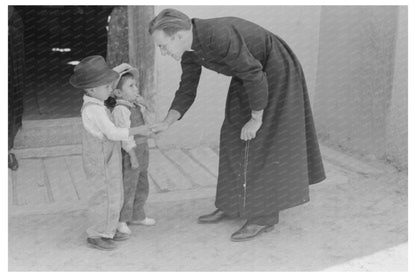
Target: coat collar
[
  {"x": 201, "y": 37},
  {"x": 196, "y": 40}
]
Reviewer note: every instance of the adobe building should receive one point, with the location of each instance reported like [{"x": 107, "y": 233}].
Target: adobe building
[{"x": 354, "y": 59}]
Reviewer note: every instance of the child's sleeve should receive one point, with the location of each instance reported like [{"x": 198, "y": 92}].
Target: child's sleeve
[
  {"x": 122, "y": 119},
  {"x": 99, "y": 116}
]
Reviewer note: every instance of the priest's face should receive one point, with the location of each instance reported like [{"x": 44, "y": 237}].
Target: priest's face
[{"x": 169, "y": 45}]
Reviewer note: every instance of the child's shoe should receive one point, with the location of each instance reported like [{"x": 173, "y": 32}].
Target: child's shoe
[
  {"x": 123, "y": 228},
  {"x": 101, "y": 243},
  {"x": 118, "y": 236},
  {"x": 147, "y": 222}
]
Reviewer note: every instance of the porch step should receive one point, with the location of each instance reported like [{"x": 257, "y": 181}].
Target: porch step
[
  {"x": 49, "y": 133},
  {"x": 54, "y": 183},
  {"x": 51, "y": 138},
  {"x": 51, "y": 151}
]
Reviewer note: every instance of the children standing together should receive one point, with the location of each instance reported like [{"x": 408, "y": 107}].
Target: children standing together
[{"x": 115, "y": 151}]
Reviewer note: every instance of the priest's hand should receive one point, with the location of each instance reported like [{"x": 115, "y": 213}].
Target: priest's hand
[
  {"x": 159, "y": 127},
  {"x": 250, "y": 129}
]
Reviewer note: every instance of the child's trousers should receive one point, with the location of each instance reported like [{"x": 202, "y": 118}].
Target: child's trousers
[
  {"x": 136, "y": 185},
  {"x": 102, "y": 166}
]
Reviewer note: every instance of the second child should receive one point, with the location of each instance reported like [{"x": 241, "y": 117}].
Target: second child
[{"x": 135, "y": 151}]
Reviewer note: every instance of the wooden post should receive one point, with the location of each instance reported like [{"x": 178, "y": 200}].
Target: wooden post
[
  {"x": 130, "y": 42},
  {"x": 118, "y": 37},
  {"x": 142, "y": 51}
]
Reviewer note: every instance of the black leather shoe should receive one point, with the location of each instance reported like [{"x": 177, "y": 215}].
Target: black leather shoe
[
  {"x": 250, "y": 231},
  {"x": 214, "y": 217}
]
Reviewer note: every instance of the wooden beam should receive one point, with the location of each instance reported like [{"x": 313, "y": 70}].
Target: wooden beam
[
  {"x": 118, "y": 37},
  {"x": 142, "y": 52},
  {"x": 130, "y": 42}
]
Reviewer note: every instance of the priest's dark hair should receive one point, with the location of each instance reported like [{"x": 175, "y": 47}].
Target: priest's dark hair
[{"x": 170, "y": 21}]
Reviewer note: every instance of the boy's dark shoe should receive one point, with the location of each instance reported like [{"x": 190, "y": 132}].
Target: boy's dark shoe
[
  {"x": 250, "y": 231},
  {"x": 101, "y": 244}
]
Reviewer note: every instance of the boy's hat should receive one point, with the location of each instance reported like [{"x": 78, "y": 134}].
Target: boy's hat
[
  {"x": 92, "y": 72},
  {"x": 123, "y": 69}
]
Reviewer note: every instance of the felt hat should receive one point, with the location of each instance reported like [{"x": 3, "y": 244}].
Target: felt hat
[
  {"x": 92, "y": 72},
  {"x": 123, "y": 69}
]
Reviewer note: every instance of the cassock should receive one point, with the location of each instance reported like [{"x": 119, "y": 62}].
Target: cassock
[{"x": 273, "y": 171}]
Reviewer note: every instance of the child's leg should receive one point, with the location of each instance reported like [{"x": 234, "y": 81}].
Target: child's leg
[
  {"x": 104, "y": 208},
  {"x": 142, "y": 190},
  {"x": 130, "y": 177},
  {"x": 107, "y": 200},
  {"x": 97, "y": 207}
]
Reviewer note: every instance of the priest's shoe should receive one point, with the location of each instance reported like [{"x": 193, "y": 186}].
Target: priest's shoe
[
  {"x": 250, "y": 231},
  {"x": 213, "y": 217}
]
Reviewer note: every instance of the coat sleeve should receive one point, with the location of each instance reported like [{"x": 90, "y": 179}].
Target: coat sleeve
[
  {"x": 229, "y": 46},
  {"x": 122, "y": 119},
  {"x": 185, "y": 95}
]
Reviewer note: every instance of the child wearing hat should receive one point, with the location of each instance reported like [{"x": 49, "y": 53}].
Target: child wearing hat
[
  {"x": 135, "y": 151},
  {"x": 101, "y": 152}
]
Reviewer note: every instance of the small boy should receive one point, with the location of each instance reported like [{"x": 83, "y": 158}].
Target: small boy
[
  {"x": 135, "y": 151},
  {"x": 101, "y": 151}
]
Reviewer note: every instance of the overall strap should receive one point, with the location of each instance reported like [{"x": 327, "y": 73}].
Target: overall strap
[
  {"x": 88, "y": 104},
  {"x": 122, "y": 104},
  {"x": 110, "y": 116}
]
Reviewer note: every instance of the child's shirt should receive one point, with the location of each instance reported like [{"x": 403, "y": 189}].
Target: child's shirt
[
  {"x": 97, "y": 122},
  {"x": 122, "y": 119}
]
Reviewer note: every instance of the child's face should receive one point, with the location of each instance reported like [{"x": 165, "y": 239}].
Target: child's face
[
  {"x": 101, "y": 92},
  {"x": 129, "y": 90}
]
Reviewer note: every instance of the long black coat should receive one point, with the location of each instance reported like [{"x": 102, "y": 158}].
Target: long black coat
[{"x": 284, "y": 158}]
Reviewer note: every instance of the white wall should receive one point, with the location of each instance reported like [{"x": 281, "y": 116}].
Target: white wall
[
  {"x": 355, "y": 76},
  {"x": 355, "y": 62},
  {"x": 397, "y": 134},
  {"x": 297, "y": 25}
]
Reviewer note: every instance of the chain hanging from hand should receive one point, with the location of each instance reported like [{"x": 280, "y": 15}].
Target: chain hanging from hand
[{"x": 247, "y": 145}]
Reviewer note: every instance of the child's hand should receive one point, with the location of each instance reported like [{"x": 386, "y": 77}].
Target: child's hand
[
  {"x": 159, "y": 127},
  {"x": 142, "y": 130},
  {"x": 140, "y": 100},
  {"x": 134, "y": 162}
]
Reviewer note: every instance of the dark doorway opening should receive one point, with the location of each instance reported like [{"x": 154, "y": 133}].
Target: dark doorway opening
[{"x": 54, "y": 36}]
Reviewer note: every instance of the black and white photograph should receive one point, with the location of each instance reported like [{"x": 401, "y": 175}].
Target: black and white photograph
[{"x": 207, "y": 138}]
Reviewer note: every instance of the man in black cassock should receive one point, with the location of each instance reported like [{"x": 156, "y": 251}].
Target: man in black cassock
[{"x": 269, "y": 152}]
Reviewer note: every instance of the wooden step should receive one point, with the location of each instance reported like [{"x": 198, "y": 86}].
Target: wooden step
[
  {"x": 52, "y": 151},
  {"x": 51, "y": 132}
]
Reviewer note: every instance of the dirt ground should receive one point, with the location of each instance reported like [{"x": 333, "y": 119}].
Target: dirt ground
[{"x": 354, "y": 222}]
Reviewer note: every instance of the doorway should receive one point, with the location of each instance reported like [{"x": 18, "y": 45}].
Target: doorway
[{"x": 55, "y": 38}]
